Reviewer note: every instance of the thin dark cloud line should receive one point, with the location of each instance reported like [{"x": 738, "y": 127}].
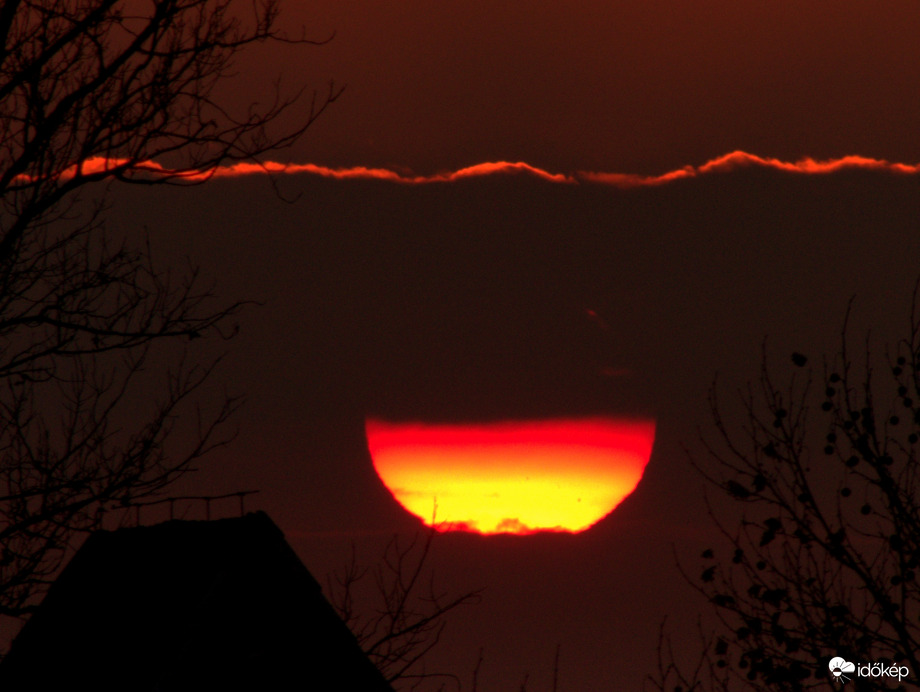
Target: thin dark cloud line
[{"x": 723, "y": 164}]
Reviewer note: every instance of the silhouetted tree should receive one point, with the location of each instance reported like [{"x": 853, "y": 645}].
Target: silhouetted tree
[
  {"x": 398, "y": 614},
  {"x": 94, "y": 91},
  {"x": 396, "y": 611},
  {"x": 825, "y": 558}
]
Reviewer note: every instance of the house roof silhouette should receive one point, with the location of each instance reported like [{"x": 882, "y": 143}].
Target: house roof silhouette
[{"x": 219, "y": 605}]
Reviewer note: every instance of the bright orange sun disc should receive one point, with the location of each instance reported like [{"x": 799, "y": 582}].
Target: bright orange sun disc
[{"x": 511, "y": 477}]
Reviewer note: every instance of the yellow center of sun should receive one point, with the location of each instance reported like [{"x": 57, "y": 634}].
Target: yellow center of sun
[{"x": 511, "y": 477}]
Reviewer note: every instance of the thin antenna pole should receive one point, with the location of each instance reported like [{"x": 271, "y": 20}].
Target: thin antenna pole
[{"x": 556, "y": 669}]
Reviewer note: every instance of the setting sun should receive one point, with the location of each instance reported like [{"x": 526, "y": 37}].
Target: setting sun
[{"x": 511, "y": 477}]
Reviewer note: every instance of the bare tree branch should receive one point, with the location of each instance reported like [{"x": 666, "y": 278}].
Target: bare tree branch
[
  {"x": 824, "y": 560},
  {"x": 403, "y": 616},
  {"x": 101, "y": 365}
]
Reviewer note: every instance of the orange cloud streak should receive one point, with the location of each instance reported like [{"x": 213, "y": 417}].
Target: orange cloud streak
[
  {"x": 741, "y": 159},
  {"x": 362, "y": 172},
  {"x": 723, "y": 164}
]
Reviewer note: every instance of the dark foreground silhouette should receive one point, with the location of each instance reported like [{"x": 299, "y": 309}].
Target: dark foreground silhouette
[{"x": 187, "y": 605}]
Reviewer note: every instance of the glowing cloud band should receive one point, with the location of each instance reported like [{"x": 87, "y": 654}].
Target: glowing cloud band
[
  {"x": 511, "y": 477},
  {"x": 150, "y": 170}
]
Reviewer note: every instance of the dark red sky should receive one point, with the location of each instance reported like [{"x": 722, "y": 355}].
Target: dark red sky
[
  {"x": 470, "y": 299},
  {"x": 607, "y": 84}
]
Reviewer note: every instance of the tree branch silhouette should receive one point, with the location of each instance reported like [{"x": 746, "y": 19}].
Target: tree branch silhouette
[
  {"x": 401, "y": 617},
  {"x": 824, "y": 560},
  {"x": 100, "y": 367}
]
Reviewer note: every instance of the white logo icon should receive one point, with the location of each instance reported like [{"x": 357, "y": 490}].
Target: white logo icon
[{"x": 838, "y": 666}]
